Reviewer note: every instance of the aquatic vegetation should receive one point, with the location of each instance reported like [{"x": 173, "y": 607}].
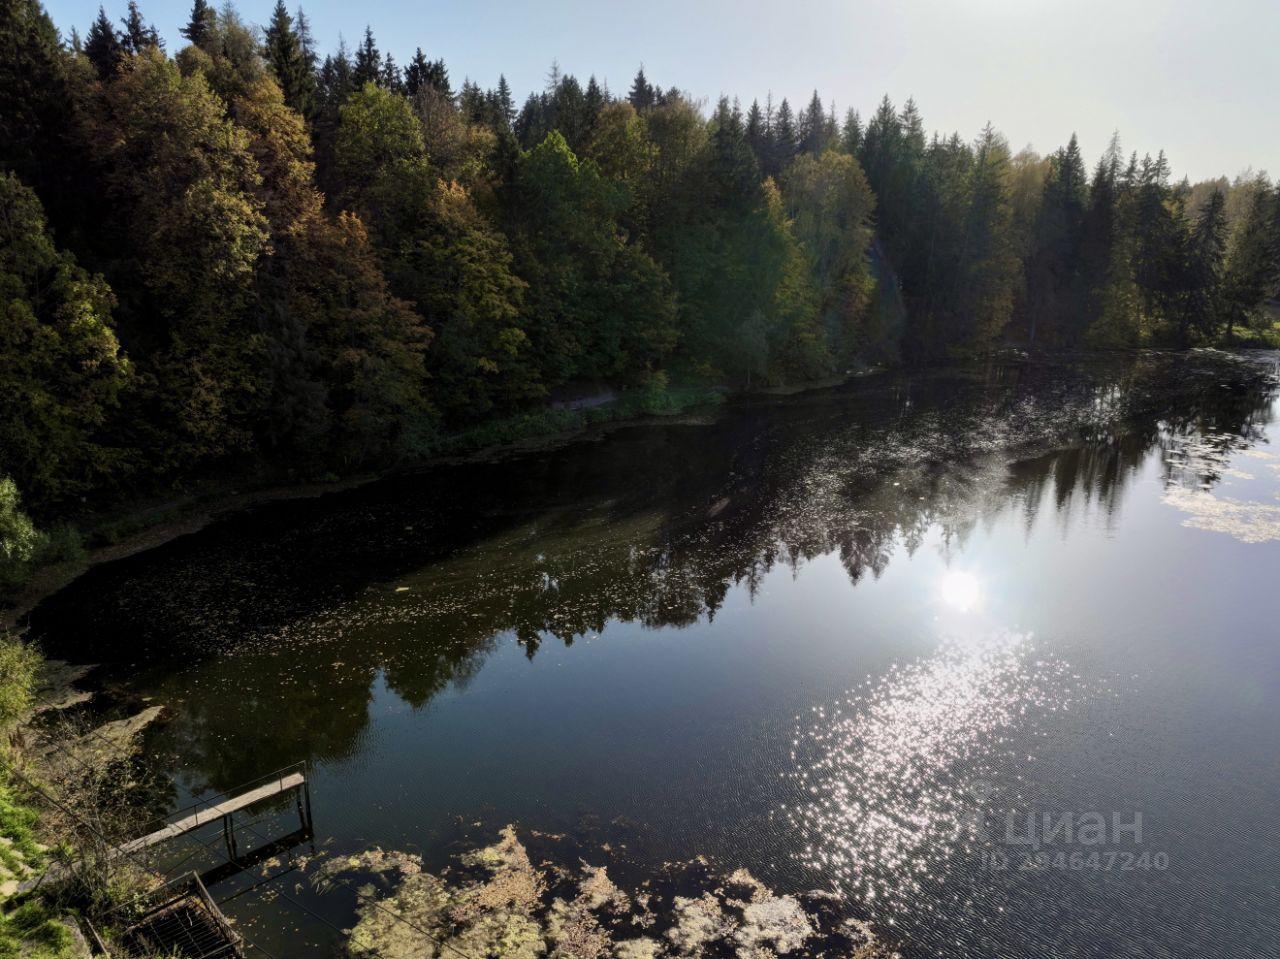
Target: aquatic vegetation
[
  {"x": 496, "y": 903},
  {"x": 1246, "y": 520}
]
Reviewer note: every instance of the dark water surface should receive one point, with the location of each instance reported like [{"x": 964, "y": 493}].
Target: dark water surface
[{"x": 838, "y": 638}]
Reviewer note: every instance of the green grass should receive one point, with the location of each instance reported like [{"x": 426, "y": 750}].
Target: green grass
[
  {"x": 27, "y": 926},
  {"x": 29, "y": 930},
  {"x": 18, "y": 824},
  {"x": 543, "y": 423},
  {"x": 1265, "y": 335}
]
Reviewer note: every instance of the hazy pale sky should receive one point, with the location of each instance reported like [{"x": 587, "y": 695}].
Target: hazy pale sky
[{"x": 1198, "y": 78}]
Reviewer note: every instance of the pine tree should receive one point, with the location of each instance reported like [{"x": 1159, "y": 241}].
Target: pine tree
[
  {"x": 593, "y": 101},
  {"x": 416, "y": 73},
  {"x": 36, "y": 120},
  {"x": 912, "y": 125},
  {"x": 199, "y": 30},
  {"x": 1055, "y": 295},
  {"x": 851, "y": 134},
  {"x": 813, "y": 127},
  {"x": 102, "y": 45},
  {"x": 368, "y": 63},
  {"x": 1206, "y": 262},
  {"x": 336, "y": 81},
  {"x": 137, "y": 36},
  {"x": 438, "y": 79},
  {"x": 757, "y": 134},
  {"x": 1253, "y": 269},
  {"x": 306, "y": 43},
  {"x": 642, "y": 94},
  {"x": 982, "y": 294},
  {"x": 471, "y": 103},
  {"x": 389, "y": 78},
  {"x": 506, "y": 106},
  {"x": 283, "y": 52},
  {"x": 784, "y": 139}
]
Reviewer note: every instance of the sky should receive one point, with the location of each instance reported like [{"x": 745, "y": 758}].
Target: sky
[{"x": 1198, "y": 78}]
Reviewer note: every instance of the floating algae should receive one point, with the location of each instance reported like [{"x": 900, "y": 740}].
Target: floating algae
[
  {"x": 1246, "y": 520},
  {"x": 497, "y": 903}
]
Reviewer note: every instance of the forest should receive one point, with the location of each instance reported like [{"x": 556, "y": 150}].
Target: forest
[{"x": 248, "y": 256}]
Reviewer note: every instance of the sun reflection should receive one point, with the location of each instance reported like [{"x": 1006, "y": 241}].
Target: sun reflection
[
  {"x": 886, "y": 778},
  {"x": 961, "y": 590}
]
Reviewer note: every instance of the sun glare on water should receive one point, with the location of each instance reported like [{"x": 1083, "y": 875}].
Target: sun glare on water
[{"x": 961, "y": 591}]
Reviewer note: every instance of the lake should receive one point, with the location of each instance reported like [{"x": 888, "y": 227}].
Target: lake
[{"x": 990, "y": 650}]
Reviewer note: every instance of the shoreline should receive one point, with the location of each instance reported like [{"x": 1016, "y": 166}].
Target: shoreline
[{"x": 156, "y": 523}]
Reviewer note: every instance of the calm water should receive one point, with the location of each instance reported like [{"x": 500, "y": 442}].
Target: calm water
[{"x": 838, "y": 638}]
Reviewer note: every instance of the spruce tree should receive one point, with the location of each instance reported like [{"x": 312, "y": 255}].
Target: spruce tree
[
  {"x": 1253, "y": 269},
  {"x": 1206, "y": 261},
  {"x": 784, "y": 139},
  {"x": 368, "y": 65},
  {"x": 594, "y": 100},
  {"x": 137, "y": 36},
  {"x": 506, "y": 106},
  {"x": 438, "y": 79},
  {"x": 757, "y": 132},
  {"x": 199, "y": 30},
  {"x": 35, "y": 102},
  {"x": 102, "y": 45},
  {"x": 336, "y": 79},
  {"x": 390, "y": 76},
  {"x": 642, "y": 94},
  {"x": 283, "y": 52},
  {"x": 813, "y": 127},
  {"x": 1055, "y": 303},
  {"x": 851, "y": 134},
  {"x": 416, "y": 73}
]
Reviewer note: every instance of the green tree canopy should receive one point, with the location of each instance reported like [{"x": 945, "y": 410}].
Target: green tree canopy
[{"x": 61, "y": 369}]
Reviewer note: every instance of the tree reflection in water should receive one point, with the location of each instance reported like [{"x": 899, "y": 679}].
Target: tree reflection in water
[{"x": 413, "y": 580}]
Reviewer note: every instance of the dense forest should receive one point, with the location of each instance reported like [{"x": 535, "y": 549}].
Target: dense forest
[{"x": 247, "y": 255}]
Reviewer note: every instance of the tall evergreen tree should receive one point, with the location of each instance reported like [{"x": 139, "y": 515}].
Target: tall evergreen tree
[
  {"x": 1206, "y": 263},
  {"x": 137, "y": 36},
  {"x": 757, "y": 133},
  {"x": 306, "y": 42},
  {"x": 200, "y": 27},
  {"x": 37, "y": 130},
  {"x": 812, "y": 132},
  {"x": 102, "y": 45},
  {"x": 416, "y": 73},
  {"x": 368, "y": 61},
  {"x": 506, "y": 106},
  {"x": 389, "y": 78},
  {"x": 851, "y": 133},
  {"x": 1253, "y": 268},
  {"x": 1055, "y": 292},
  {"x": 784, "y": 139},
  {"x": 283, "y": 52},
  {"x": 642, "y": 94}
]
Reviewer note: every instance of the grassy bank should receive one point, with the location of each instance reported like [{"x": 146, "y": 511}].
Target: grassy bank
[
  {"x": 1264, "y": 336},
  {"x": 550, "y": 424},
  {"x": 71, "y": 790},
  {"x": 29, "y": 926}
]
